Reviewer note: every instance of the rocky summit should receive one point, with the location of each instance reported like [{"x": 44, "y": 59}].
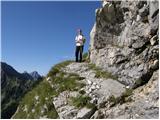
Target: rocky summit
[{"x": 119, "y": 77}]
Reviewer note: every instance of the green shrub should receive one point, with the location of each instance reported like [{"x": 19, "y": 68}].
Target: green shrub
[{"x": 81, "y": 101}]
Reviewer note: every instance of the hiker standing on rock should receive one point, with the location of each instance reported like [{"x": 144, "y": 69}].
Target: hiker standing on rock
[{"x": 80, "y": 40}]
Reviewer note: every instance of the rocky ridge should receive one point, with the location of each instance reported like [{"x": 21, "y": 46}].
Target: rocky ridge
[
  {"x": 140, "y": 103},
  {"x": 121, "y": 78},
  {"x": 97, "y": 89}
]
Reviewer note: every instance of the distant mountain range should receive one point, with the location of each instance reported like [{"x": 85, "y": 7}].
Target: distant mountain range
[
  {"x": 13, "y": 87},
  {"x": 9, "y": 70},
  {"x": 32, "y": 76}
]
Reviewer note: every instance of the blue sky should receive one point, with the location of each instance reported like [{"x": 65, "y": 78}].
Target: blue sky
[{"x": 37, "y": 35}]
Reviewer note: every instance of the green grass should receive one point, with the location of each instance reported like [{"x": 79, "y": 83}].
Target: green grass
[
  {"x": 43, "y": 90},
  {"x": 125, "y": 97},
  {"x": 64, "y": 81},
  {"x": 81, "y": 101},
  {"x": 100, "y": 73},
  {"x": 128, "y": 92},
  {"x": 61, "y": 81},
  {"x": 85, "y": 57},
  {"x": 57, "y": 68},
  {"x": 67, "y": 81}
]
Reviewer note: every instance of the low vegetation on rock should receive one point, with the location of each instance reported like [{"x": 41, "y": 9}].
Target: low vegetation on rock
[
  {"x": 57, "y": 68},
  {"x": 82, "y": 101},
  {"x": 125, "y": 97},
  {"x": 101, "y": 73},
  {"x": 37, "y": 103},
  {"x": 85, "y": 57}
]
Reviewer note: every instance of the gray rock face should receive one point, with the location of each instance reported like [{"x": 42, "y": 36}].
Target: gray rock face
[
  {"x": 128, "y": 49},
  {"x": 144, "y": 104},
  {"x": 122, "y": 38},
  {"x": 64, "y": 110},
  {"x": 154, "y": 40},
  {"x": 85, "y": 113},
  {"x": 98, "y": 89}
]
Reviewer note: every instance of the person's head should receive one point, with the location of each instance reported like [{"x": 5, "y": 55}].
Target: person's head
[{"x": 79, "y": 31}]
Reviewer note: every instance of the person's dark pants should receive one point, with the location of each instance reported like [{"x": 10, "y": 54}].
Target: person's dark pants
[{"x": 79, "y": 53}]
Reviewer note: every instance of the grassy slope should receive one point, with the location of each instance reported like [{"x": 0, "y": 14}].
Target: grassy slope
[
  {"x": 35, "y": 106},
  {"x": 60, "y": 81},
  {"x": 43, "y": 106}
]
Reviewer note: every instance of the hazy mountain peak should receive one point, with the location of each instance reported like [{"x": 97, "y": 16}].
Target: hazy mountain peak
[{"x": 35, "y": 75}]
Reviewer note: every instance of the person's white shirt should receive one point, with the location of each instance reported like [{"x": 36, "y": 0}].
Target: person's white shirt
[{"x": 79, "y": 40}]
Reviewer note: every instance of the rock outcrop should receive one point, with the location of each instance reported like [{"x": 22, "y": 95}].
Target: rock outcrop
[
  {"x": 143, "y": 104},
  {"x": 98, "y": 89},
  {"x": 124, "y": 40}
]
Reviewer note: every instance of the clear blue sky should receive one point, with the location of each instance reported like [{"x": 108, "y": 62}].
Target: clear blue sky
[{"x": 37, "y": 35}]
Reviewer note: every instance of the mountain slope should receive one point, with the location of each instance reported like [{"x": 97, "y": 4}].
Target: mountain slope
[
  {"x": 70, "y": 92},
  {"x": 38, "y": 103},
  {"x": 120, "y": 79},
  {"x": 13, "y": 86},
  {"x": 81, "y": 90}
]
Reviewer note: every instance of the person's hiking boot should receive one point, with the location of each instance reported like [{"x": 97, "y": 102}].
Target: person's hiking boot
[{"x": 76, "y": 60}]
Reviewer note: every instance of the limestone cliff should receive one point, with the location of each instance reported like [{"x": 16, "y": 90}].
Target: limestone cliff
[{"x": 124, "y": 40}]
